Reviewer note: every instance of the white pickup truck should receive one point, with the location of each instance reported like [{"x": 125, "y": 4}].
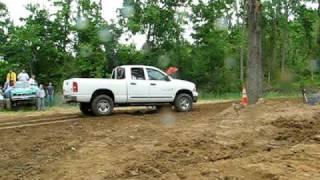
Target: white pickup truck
[{"x": 130, "y": 86}]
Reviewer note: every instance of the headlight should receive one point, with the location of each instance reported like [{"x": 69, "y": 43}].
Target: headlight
[{"x": 194, "y": 89}]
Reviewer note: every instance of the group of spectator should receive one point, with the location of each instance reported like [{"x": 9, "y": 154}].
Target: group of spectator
[{"x": 44, "y": 94}]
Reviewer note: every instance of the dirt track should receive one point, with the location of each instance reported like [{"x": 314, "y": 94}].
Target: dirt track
[{"x": 274, "y": 140}]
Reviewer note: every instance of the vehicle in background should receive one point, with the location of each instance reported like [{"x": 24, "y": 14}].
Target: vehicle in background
[
  {"x": 130, "y": 86},
  {"x": 21, "y": 93}
]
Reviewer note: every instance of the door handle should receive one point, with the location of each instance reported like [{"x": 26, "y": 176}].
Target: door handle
[
  {"x": 133, "y": 84},
  {"x": 153, "y": 84}
]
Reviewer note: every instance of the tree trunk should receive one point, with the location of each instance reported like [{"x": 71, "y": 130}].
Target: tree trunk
[
  {"x": 274, "y": 42},
  {"x": 255, "y": 72},
  {"x": 111, "y": 56},
  {"x": 66, "y": 24},
  {"x": 318, "y": 38},
  {"x": 34, "y": 59},
  {"x": 319, "y": 8},
  {"x": 242, "y": 63},
  {"x": 238, "y": 2},
  {"x": 285, "y": 39},
  {"x": 273, "y": 59}
]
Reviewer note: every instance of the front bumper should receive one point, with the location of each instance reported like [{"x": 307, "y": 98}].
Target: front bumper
[
  {"x": 195, "y": 99},
  {"x": 23, "y": 98},
  {"x": 195, "y": 96}
]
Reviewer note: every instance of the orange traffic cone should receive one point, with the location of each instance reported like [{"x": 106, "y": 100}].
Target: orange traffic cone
[{"x": 244, "y": 99}]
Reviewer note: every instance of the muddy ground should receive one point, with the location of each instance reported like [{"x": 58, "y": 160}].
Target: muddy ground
[{"x": 272, "y": 140}]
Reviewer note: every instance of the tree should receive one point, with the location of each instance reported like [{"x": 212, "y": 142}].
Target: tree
[
  {"x": 255, "y": 71},
  {"x": 5, "y": 26},
  {"x": 96, "y": 41}
]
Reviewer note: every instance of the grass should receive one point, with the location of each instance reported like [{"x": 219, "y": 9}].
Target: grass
[
  {"x": 276, "y": 95},
  {"x": 205, "y": 96},
  {"x": 214, "y": 96}
]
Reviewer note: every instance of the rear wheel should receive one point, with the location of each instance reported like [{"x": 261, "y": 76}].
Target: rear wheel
[
  {"x": 183, "y": 103},
  {"x": 85, "y": 108},
  {"x": 102, "y": 105}
]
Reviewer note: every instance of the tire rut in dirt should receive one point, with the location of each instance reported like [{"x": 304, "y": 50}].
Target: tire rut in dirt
[
  {"x": 38, "y": 121},
  {"x": 36, "y": 117}
]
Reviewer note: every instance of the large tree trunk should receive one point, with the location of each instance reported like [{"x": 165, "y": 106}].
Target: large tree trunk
[{"x": 255, "y": 72}]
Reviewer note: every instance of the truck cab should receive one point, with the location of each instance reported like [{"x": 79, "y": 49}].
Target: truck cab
[{"x": 130, "y": 86}]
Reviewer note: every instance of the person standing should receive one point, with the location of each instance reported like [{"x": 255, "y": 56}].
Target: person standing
[
  {"x": 5, "y": 86},
  {"x": 23, "y": 76},
  {"x": 7, "y": 89},
  {"x": 41, "y": 94},
  {"x": 1, "y": 91},
  {"x": 2, "y": 102},
  {"x": 50, "y": 94},
  {"x": 12, "y": 78},
  {"x": 32, "y": 81}
]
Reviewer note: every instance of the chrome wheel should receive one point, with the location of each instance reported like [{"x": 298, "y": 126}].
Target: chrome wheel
[
  {"x": 103, "y": 106},
  {"x": 185, "y": 103}
]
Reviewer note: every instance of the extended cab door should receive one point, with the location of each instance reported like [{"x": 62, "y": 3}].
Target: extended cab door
[
  {"x": 161, "y": 89},
  {"x": 137, "y": 85}
]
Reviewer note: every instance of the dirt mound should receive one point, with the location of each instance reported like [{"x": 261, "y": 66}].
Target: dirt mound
[
  {"x": 295, "y": 129},
  {"x": 274, "y": 140}
]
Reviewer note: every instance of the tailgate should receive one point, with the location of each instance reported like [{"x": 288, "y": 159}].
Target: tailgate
[{"x": 67, "y": 87}]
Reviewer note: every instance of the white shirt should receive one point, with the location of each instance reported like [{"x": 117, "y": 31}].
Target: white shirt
[
  {"x": 32, "y": 81},
  {"x": 23, "y": 76},
  {"x": 41, "y": 93}
]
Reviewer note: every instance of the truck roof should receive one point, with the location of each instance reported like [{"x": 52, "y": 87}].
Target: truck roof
[{"x": 142, "y": 66}]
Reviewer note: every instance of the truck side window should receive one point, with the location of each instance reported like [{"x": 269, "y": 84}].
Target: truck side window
[
  {"x": 137, "y": 74},
  {"x": 156, "y": 75},
  {"x": 121, "y": 73},
  {"x": 113, "y": 76}
]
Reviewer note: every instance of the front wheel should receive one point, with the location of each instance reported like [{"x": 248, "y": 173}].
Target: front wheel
[
  {"x": 85, "y": 109},
  {"x": 102, "y": 105},
  {"x": 183, "y": 103}
]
